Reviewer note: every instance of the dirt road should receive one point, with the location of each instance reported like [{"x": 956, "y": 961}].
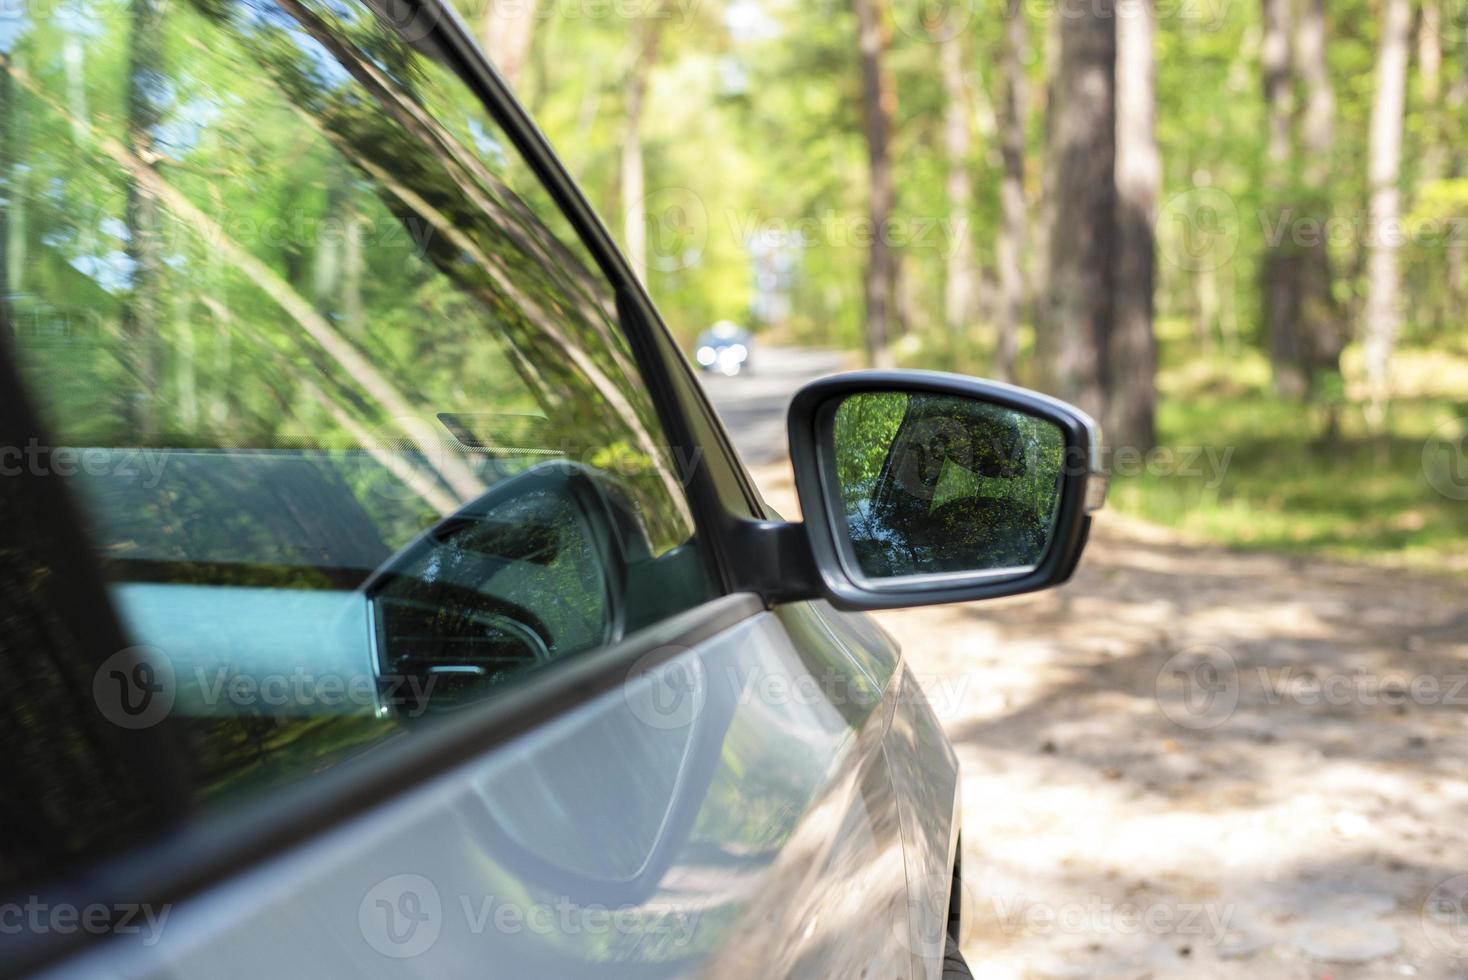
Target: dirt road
[{"x": 1194, "y": 763}]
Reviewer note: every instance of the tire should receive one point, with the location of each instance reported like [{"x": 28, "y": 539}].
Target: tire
[{"x": 954, "y": 968}]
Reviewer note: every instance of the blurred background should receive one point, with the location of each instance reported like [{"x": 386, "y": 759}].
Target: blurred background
[{"x": 1239, "y": 225}]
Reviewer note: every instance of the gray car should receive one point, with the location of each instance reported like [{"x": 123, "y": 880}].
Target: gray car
[{"x": 382, "y": 596}]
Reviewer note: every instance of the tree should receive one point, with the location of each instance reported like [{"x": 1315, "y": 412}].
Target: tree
[
  {"x": 1083, "y": 141},
  {"x": 1010, "y": 247},
  {"x": 634, "y": 182},
  {"x": 142, "y": 317},
  {"x": 1457, "y": 262},
  {"x": 879, "y": 108},
  {"x": 960, "y": 285},
  {"x": 1280, "y": 274},
  {"x": 509, "y": 27},
  {"x": 1132, "y": 352},
  {"x": 1383, "y": 277},
  {"x": 1319, "y": 313}
]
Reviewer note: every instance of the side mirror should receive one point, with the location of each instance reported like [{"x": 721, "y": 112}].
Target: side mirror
[{"x": 921, "y": 488}]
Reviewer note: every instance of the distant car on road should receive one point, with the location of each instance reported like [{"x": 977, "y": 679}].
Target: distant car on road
[{"x": 725, "y": 348}]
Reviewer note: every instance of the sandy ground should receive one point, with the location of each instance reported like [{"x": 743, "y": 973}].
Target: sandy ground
[{"x": 1189, "y": 762}]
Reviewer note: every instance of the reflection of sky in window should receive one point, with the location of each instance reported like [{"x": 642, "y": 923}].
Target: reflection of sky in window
[
  {"x": 77, "y": 18},
  {"x": 13, "y": 25},
  {"x": 488, "y": 144},
  {"x": 115, "y": 227},
  {"x": 269, "y": 18},
  {"x": 182, "y": 131},
  {"x": 113, "y": 270}
]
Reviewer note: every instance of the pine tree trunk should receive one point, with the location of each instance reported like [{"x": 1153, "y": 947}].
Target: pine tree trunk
[
  {"x": 1045, "y": 213},
  {"x": 960, "y": 288},
  {"x": 354, "y": 320},
  {"x": 1132, "y": 353},
  {"x": 1320, "y": 315},
  {"x": 1079, "y": 298},
  {"x": 142, "y": 314},
  {"x": 1382, "y": 314},
  {"x": 1281, "y": 299},
  {"x": 1429, "y": 74},
  {"x": 509, "y": 27},
  {"x": 878, "y": 98},
  {"x": 1457, "y": 261},
  {"x": 634, "y": 190},
  {"x": 1010, "y": 248}
]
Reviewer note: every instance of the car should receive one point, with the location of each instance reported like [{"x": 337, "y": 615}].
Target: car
[
  {"x": 382, "y": 595},
  {"x": 725, "y": 348}
]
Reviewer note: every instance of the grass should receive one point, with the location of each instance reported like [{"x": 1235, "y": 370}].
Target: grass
[{"x": 1286, "y": 487}]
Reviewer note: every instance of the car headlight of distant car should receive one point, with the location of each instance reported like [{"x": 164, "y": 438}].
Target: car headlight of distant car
[
  {"x": 706, "y": 356},
  {"x": 737, "y": 352}
]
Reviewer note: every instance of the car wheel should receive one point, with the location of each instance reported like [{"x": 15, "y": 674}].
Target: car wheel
[{"x": 954, "y": 968}]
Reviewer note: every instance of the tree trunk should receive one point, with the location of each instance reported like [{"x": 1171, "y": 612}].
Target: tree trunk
[
  {"x": 1323, "y": 336},
  {"x": 1132, "y": 354},
  {"x": 1010, "y": 249},
  {"x": 509, "y": 27},
  {"x": 1457, "y": 261},
  {"x": 1045, "y": 214},
  {"x": 141, "y": 315},
  {"x": 879, "y": 106},
  {"x": 634, "y": 214},
  {"x": 354, "y": 320},
  {"x": 1079, "y": 299},
  {"x": 960, "y": 286},
  {"x": 1382, "y": 314},
  {"x": 1281, "y": 299},
  {"x": 1430, "y": 72}
]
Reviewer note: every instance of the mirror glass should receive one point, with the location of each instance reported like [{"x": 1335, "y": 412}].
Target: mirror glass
[{"x": 933, "y": 484}]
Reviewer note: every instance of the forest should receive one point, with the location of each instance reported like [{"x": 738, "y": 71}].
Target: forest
[{"x": 1233, "y": 232}]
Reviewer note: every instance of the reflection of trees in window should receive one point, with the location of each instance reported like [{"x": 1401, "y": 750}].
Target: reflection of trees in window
[{"x": 278, "y": 331}]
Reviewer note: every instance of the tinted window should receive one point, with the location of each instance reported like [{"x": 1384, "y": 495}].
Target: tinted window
[{"x": 354, "y": 428}]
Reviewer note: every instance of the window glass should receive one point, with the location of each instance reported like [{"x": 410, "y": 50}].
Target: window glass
[
  {"x": 72, "y": 787},
  {"x": 356, "y": 433}
]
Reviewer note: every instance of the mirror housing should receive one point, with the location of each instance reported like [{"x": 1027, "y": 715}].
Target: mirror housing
[{"x": 844, "y": 578}]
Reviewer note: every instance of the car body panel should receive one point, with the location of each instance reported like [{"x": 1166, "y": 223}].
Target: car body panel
[{"x": 729, "y": 812}]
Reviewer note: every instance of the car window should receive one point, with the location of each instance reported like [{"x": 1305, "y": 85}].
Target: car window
[{"x": 354, "y": 428}]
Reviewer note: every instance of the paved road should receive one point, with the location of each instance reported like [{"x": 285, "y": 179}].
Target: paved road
[{"x": 753, "y": 405}]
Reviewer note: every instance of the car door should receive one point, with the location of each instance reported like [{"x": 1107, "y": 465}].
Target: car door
[{"x": 369, "y": 593}]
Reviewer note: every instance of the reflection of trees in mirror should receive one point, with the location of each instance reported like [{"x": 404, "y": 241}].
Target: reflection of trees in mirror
[
  {"x": 324, "y": 252},
  {"x": 938, "y": 483}
]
